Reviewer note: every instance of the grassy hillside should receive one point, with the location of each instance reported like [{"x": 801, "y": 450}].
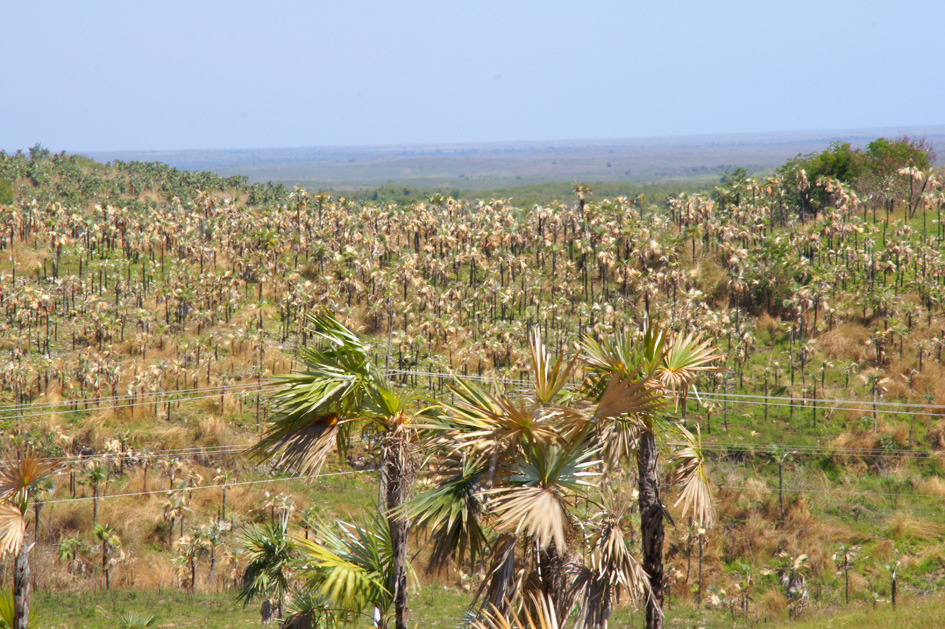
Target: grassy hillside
[{"x": 146, "y": 309}]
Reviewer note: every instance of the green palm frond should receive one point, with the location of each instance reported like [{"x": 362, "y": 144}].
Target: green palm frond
[
  {"x": 555, "y": 466},
  {"x": 696, "y": 494},
  {"x": 7, "y": 611},
  {"x": 621, "y": 357},
  {"x": 133, "y": 620},
  {"x": 686, "y": 358},
  {"x": 453, "y": 511},
  {"x": 349, "y": 569},
  {"x": 269, "y": 565},
  {"x": 308, "y": 610},
  {"x": 313, "y": 408},
  {"x": 550, "y": 377}
]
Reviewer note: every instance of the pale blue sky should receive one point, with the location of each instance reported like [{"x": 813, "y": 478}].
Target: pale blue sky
[{"x": 140, "y": 75}]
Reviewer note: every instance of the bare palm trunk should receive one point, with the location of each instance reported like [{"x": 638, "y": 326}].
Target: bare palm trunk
[
  {"x": 651, "y": 526},
  {"x": 21, "y": 589},
  {"x": 396, "y": 480}
]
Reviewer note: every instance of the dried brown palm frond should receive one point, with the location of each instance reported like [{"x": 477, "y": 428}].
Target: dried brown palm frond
[
  {"x": 12, "y": 529},
  {"x": 696, "y": 494},
  {"x": 538, "y": 614},
  {"x": 23, "y": 474},
  {"x": 504, "y": 587},
  {"x": 629, "y": 396},
  {"x": 303, "y": 444},
  {"x": 610, "y": 569},
  {"x": 536, "y": 511}
]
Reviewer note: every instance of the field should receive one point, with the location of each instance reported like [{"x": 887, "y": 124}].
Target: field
[{"x": 147, "y": 310}]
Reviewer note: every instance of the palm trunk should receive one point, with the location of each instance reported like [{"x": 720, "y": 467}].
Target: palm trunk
[
  {"x": 105, "y": 564},
  {"x": 651, "y": 526},
  {"x": 213, "y": 563},
  {"x": 554, "y": 582},
  {"x": 396, "y": 477},
  {"x": 21, "y": 589}
]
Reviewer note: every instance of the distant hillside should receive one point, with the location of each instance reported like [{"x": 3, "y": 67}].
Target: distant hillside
[{"x": 511, "y": 164}]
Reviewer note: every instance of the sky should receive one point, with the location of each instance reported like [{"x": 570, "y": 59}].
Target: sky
[{"x": 202, "y": 74}]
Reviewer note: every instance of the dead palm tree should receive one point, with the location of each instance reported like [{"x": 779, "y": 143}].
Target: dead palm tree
[{"x": 319, "y": 409}]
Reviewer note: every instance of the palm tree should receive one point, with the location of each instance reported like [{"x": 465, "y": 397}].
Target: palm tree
[
  {"x": 267, "y": 574},
  {"x": 669, "y": 363},
  {"x": 108, "y": 537},
  {"x": 319, "y": 409},
  {"x": 350, "y": 570},
  {"x": 95, "y": 476},
  {"x": 521, "y": 465},
  {"x": 19, "y": 480}
]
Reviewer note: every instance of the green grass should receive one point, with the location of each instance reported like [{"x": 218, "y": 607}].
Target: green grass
[
  {"x": 916, "y": 613},
  {"x": 103, "y": 610}
]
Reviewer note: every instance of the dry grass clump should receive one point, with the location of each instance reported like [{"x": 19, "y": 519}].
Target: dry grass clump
[
  {"x": 902, "y": 526},
  {"x": 933, "y": 486},
  {"x": 773, "y": 604},
  {"x": 935, "y": 437},
  {"x": 172, "y": 438},
  {"x": 768, "y": 324},
  {"x": 870, "y": 445},
  {"x": 847, "y": 341},
  {"x": 212, "y": 431},
  {"x": 883, "y": 550}
]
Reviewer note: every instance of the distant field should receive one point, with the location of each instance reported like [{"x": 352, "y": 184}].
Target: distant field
[{"x": 504, "y": 166}]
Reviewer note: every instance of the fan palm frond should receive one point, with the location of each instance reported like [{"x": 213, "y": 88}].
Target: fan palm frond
[
  {"x": 270, "y": 556},
  {"x": 453, "y": 510},
  {"x": 610, "y": 569},
  {"x": 536, "y": 502},
  {"x": 302, "y": 443},
  {"x": 351, "y": 569},
  {"x": 628, "y": 395},
  {"x": 504, "y": 587},
  {"x": 696, "y": 494},
  {"x": 539, "y": 614},
  {"x": 19, "y": 477},
  {"x": 685, "y": 359},
  {"x": 550, "y": 377},
  {"x": 12, "y": 529}
]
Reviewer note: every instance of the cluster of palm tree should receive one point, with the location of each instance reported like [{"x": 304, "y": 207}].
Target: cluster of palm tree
[
  {"x": 202, "y": 268},
  {"x": 511, "y": 474},
  {"x": 130, "y": 280}
]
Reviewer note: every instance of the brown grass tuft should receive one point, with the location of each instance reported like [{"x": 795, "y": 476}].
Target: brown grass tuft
[
  {"x": 773, "y": 604},
  {"x": 847, "y": 341},
  {"x": 212, "y": 431},
  {"x": 904, "y": 527},
  {"x": 768, "y": 324},
  {"x": 935, "y": 437},
  {"x": 933, "y": 486}
]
